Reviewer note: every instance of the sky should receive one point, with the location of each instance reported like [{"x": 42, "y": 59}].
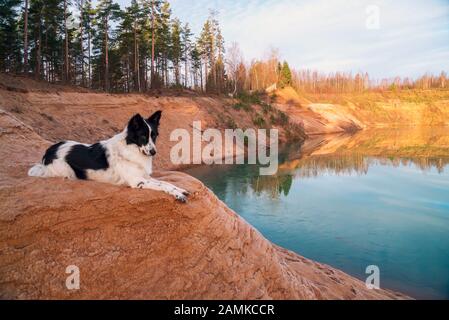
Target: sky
[{"x": 385, "y": 38}]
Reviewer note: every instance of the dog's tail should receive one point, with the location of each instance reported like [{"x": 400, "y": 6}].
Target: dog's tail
[{"x": 38, "y": 170}]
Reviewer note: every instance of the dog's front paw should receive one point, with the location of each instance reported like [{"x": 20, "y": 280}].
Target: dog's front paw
[
  {"x": 184, "y": 192},
  {"x": 181, "y": 190},
  {"x": 180, "y": 196}
]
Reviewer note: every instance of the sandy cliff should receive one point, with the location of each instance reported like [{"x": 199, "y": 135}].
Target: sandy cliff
[
  {"x": 134, "y": 243},
  {"x": 332, "y": 113}
]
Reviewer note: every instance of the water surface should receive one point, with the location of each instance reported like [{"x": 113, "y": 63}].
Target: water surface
[{"x": 374, "y": 198}]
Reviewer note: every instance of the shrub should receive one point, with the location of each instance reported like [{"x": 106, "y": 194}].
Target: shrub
[
  {"x": 242, "y": 106},
  {"x": 237, "y": 106},
  {"x": 266, "y": 108},
  {"x": 230, "y": 123},
  {"x": 259, "y": 121},
  {"x": 283, "y": 118},
  {"x": 294, "y": 132},
  {"x": 249, "y": 98}
]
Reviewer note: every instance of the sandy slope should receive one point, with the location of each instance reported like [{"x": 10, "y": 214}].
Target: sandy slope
[
  {"x": 350, "y": 112},
  {"x": 60, "y": 113},
  {"x": 140, "y": 243},
  {"x": 132, "y": 243}
]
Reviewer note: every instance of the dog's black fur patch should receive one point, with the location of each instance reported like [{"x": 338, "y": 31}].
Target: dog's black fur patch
[
  {"x": 50, "y": 154},
  {"x": 138, "y": 132},
  {"x": 153, "y": 122},
  {"x": 81, "y": 158}
]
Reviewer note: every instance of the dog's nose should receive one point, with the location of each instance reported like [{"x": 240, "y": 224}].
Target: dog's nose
[{"x": 152, "y": 152}]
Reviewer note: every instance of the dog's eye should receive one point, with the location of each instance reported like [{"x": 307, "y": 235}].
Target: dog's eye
[{"x": 144, "y": 140}]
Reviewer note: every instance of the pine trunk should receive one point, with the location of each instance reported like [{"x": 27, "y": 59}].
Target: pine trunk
[
  {"x": 66, "y": 53},
  {"x": 106, "y": 57},
  {"x": 25, "y": 39},
  {"x": 185, "y": 67},
  {"x": 152, "y": 44},
  {"x": 38, "y": 52},
  {"x": 83, "y": 80},
  {"x": 89, "y": 58},
  {"x": 136, "y": 61}
]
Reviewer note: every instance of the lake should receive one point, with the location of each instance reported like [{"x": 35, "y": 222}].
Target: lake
[{"x": 378, "y": 197}]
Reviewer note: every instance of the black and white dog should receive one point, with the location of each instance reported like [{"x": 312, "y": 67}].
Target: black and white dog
[{"x": 126, "y": 158}]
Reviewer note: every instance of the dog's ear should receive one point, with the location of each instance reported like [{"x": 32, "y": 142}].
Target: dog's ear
[
  {"x": 135, "y": 122},
  {"x": 155, "y": 118}
]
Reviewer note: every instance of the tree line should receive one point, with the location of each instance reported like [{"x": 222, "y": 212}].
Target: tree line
[
  {"x": 340, "y": 82},
  {"x": 271, "y": 72},
  {"x": 105, "y": 47},
  {"x": 143, "y": 46}
]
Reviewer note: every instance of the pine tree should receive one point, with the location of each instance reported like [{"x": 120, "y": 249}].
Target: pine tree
[
  {"x": 155, "y": 9},
  {"x": 87, "y": 18},
  {"x": 66, "y": 43},
  {"x": 175, "y": 54},
  {"x": 107, "y": 11},
  {"x": 163, "y": 41},
  {"x": 205, "y": 44},
  {"x": 35, "y": 15},
  {"x": 80, "y": 6},
  {"x": 46, "y": 23},
  {"x": 135, "y": 13},
  {"x": 25, "y": 38},
  {"x": 211, "y": 45},
  {"x": 195, "y": 57},
  {"x": 109, "y": 48},
  {"x": 9, "y": 41},
  {"x": 131, "y": 37},
  {"x": 186, "y": 35},
  {"x": 127, "y": 42},
  {"x": 285, "y": 77}
]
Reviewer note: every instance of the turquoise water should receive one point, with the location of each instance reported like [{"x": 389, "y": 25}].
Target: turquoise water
[{"x": 349, "y": 207}]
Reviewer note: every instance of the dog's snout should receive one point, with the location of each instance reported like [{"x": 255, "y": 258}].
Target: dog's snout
[{"x": 152, "y": 152}]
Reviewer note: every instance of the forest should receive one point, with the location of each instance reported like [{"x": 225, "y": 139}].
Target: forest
[
  {"x": 143, "y": 47},
  {"x": 105, "y": 47}
]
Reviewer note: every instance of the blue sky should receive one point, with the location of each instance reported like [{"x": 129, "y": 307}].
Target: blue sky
[{"x": 412, "y": 35}]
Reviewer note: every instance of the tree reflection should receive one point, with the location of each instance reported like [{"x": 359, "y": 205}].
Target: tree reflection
[{"x": 339, "y": 154}]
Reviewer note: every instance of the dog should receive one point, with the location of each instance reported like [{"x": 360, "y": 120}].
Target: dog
[{"x": 124, "y": 159}]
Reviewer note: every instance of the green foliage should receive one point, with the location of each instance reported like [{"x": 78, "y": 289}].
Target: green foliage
[
  {"x": 283, "y": 118},
  {"x": 242, "y": 106},
  {"x": 211, "y": 48},
  {"x": 237, "y": 106},
  {"x": 139, "y": 47},
  {"x": 230, "y": 123},
  {"x": 9, "y": 32},
  {"x": 285, "y": 184},
  {"x": 259, "y": 121},
  {"x": 279, "y": 118},
  {"x": 266, "y": 108},
  {"x": 250, "y": 98},
  {"x": 285, "y": 75}
]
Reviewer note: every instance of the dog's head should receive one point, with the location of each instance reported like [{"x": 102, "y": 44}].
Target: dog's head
[{"x": 143, "y": 132}]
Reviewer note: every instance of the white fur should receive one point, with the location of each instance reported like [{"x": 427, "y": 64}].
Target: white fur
[{"x": 128, "y": 165}]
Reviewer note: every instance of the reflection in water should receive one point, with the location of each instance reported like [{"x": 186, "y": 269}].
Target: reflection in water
[
  {"x": 346, "y": 154},
  {"x": 376, "y": 197}
]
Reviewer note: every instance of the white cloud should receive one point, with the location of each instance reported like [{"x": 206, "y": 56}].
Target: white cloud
[{"x": 332, "y": 35}]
